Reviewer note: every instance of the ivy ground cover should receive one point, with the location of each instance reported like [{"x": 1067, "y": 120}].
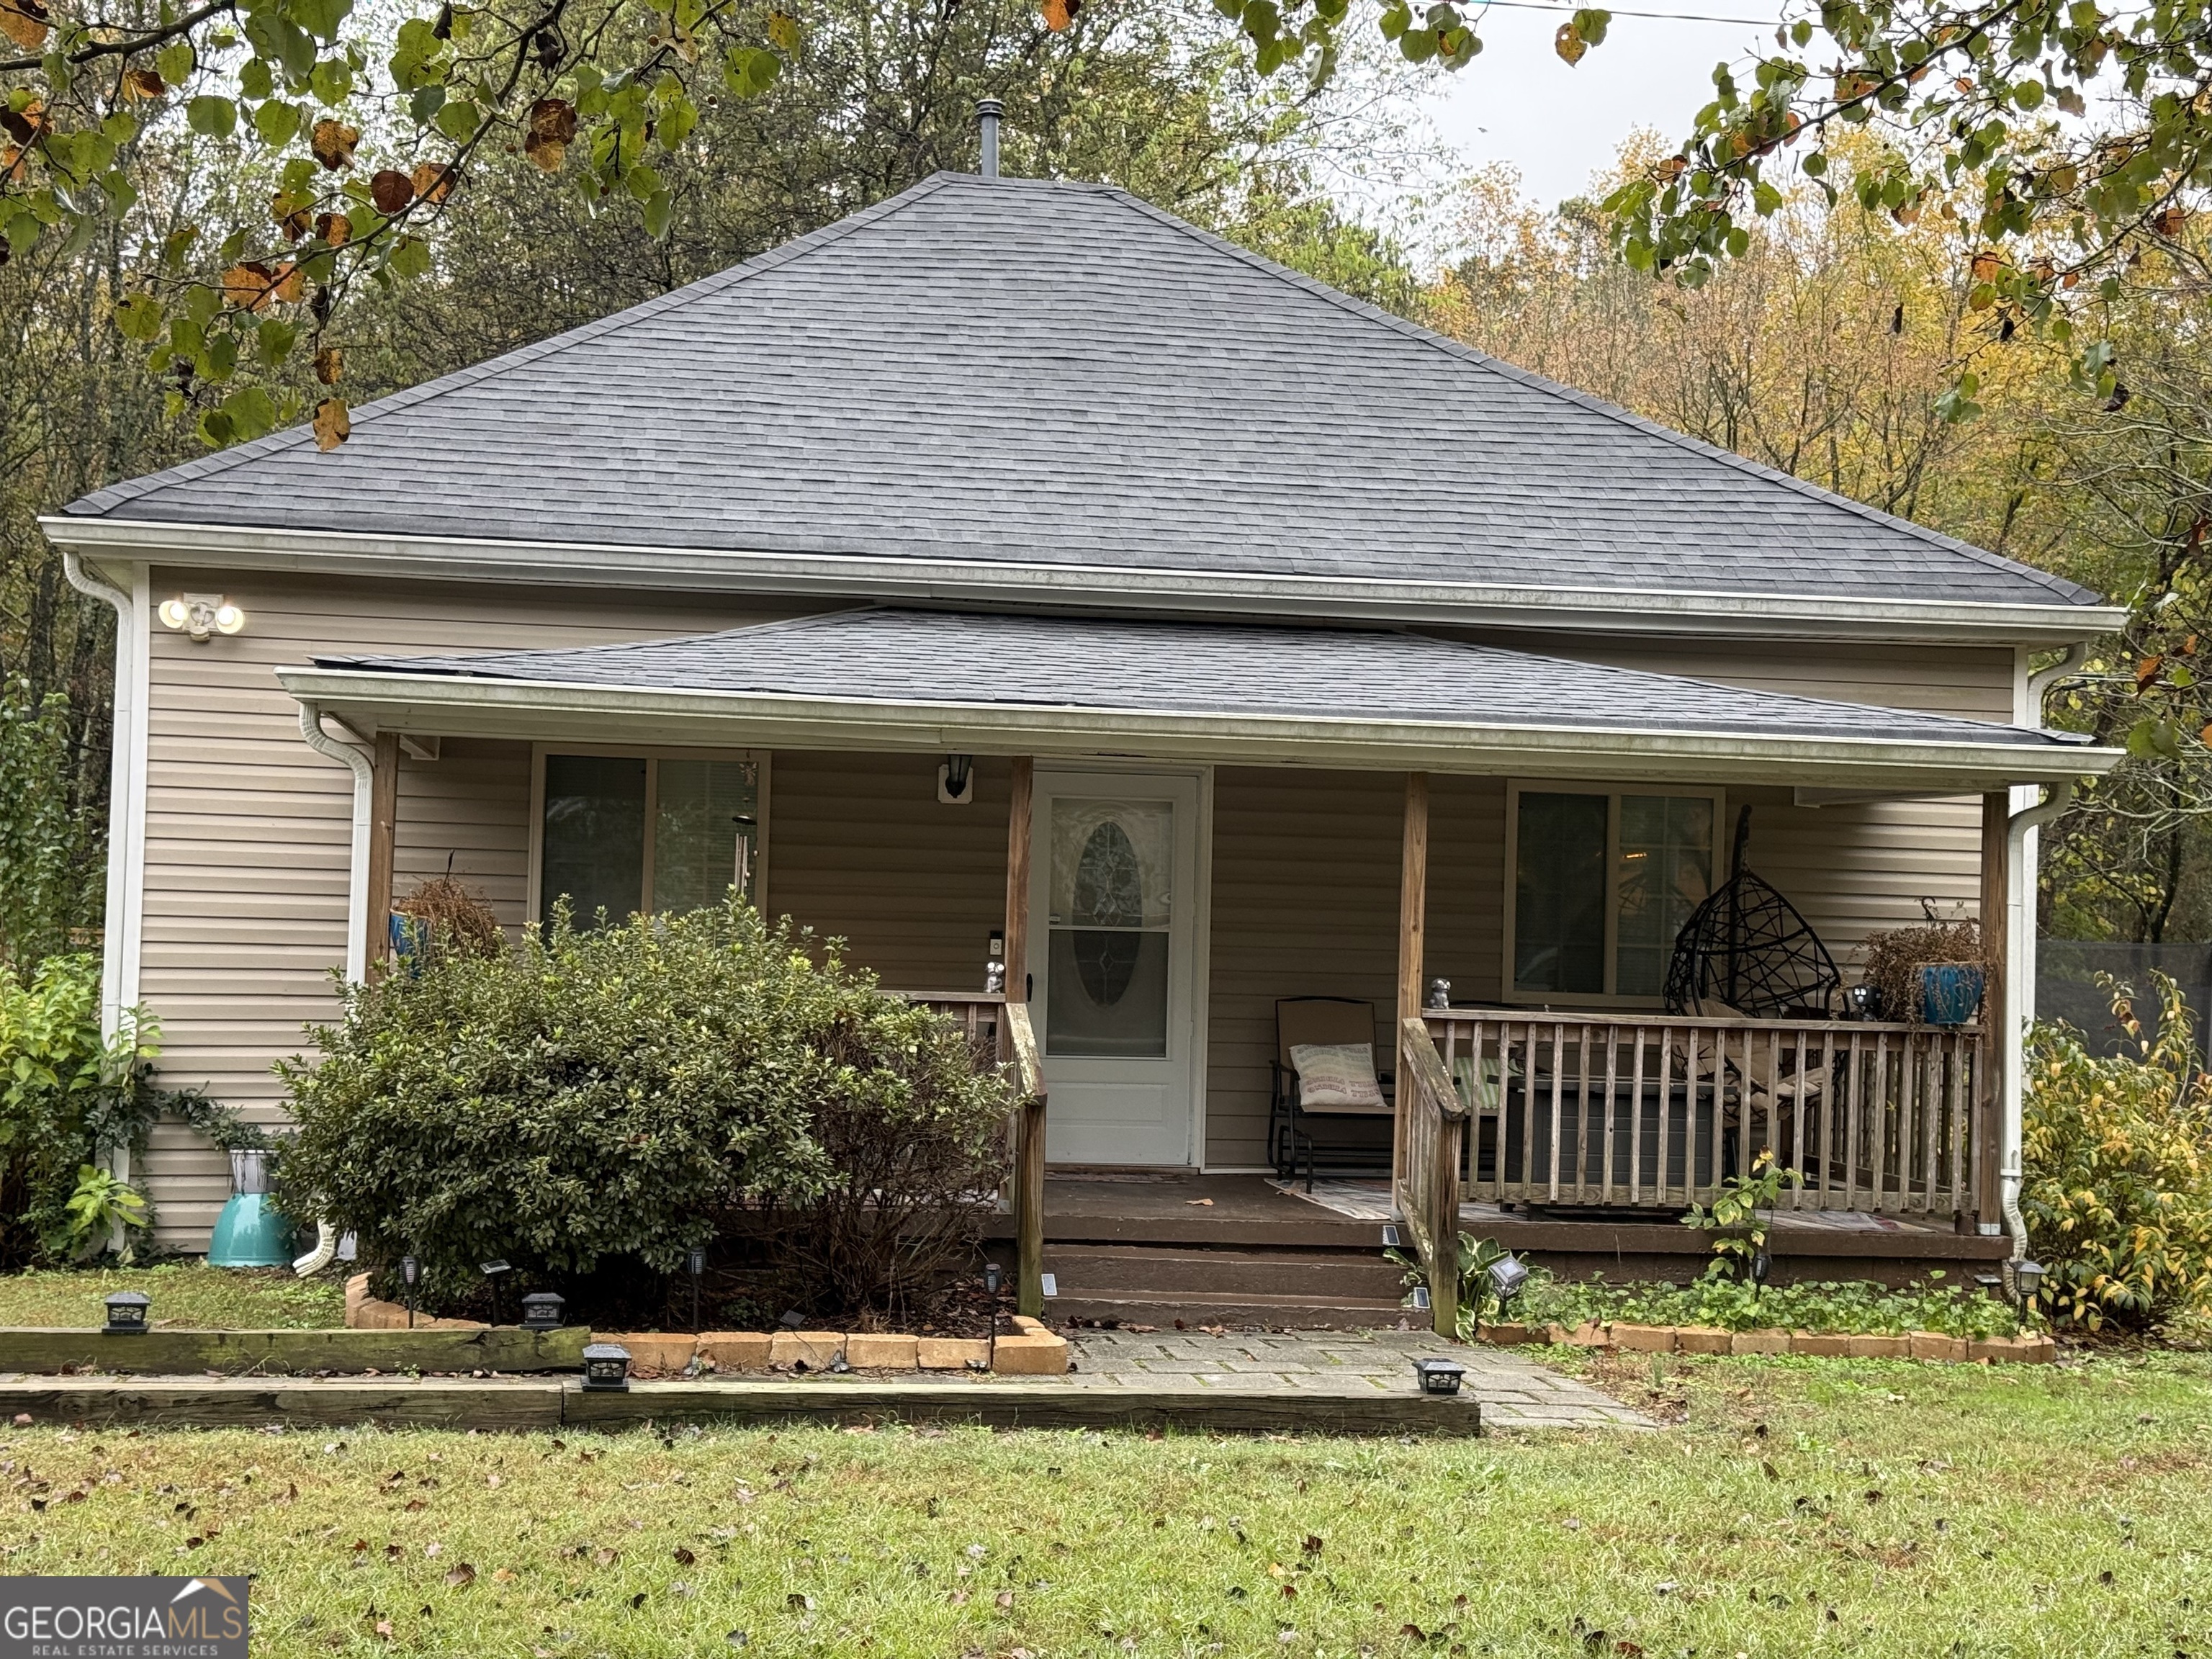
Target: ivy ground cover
[{"x": 1787, "y": 1508}]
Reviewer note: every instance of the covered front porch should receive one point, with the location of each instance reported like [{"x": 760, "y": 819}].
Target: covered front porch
[{"x": 1112, "y": 848}]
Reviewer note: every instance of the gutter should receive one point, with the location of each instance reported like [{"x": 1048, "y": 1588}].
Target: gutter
[
  {"x": 954, "y": 577},
  {"x": 310, "y": 729},
  {"x": 544, "y": 710}
]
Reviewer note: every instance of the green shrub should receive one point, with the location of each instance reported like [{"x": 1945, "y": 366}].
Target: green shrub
[
  {"x": 2118, "y": 1154},
  {"x": 67, "y": 1099},
  {"x": 598, "y": 1098},
  {"x": 51, "y": 868},
  {"x": 1846, "y": 1307}
]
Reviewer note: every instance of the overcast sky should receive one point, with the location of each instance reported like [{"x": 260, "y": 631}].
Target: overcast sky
[{"x": 1518, "y": 102}]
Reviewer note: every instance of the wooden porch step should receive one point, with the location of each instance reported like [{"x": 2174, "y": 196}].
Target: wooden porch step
[
  {"x": 1118, "y": 1269},
  {"x": 1159, "y": 1285},
  {"x": 1197, "y": 1311}
]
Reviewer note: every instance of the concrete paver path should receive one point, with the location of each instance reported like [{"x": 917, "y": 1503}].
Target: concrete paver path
[{"x": 1514, "y": 1390}]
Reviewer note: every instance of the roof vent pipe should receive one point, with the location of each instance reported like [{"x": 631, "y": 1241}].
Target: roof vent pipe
[{"x": 987, "y": 117}]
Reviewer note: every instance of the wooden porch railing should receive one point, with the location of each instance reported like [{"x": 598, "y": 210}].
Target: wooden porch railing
[
  {"x": 1000, "y": 1033},
  {"x": 1432, "y": 1124},
  {"x": 1616, "y": 1110}
]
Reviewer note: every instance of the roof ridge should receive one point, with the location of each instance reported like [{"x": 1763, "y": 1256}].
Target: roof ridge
[
  {"x": 2074, "y": 593},
  {"x": 113, "y": 496}
]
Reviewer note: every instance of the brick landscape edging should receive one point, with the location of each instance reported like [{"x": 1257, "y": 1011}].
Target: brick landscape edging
[
  {"x": 1032, "y": 1350},
  {"x": 1701, "y": 1339}
]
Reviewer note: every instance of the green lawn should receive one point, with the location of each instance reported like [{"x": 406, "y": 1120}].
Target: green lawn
[
  {"x": 1798, "y": 1507},
  {"x": 184, "y": 1294}
]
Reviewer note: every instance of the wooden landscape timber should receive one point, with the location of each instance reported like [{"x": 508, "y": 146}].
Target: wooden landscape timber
[
  {"x": 524, "y": 1404},
  {"x": 293, "y": 1352}
]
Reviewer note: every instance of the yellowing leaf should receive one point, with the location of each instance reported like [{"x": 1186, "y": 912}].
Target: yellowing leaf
[
  {"x": 1987, "y": 265},
  {"x": 1570, "y": 44},
  {"x": 783, "y": 29},
  {"x": 333, "y": 143},
  {"x": 2146, "y": 671},
  {"x": 434, "y": 182},
  {"x": 333, "y": 426},
  {"x": 1056, "y": 18},
  {"x": 24, "y": 21},
  {"x": 142, "y": 84},
  {"x": 334, "y": 229},
  {"x": 249, "y": 286}
]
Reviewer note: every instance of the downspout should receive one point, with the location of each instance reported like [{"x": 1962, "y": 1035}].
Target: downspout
[
  {"x": 2012, "y": 1042},
  {"x": 310, "y": 729},
  {"x": 356, "y": 965}
]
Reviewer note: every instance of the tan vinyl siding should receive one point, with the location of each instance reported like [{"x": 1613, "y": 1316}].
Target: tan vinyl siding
[
  {"x": 860, "y": 848},
  {"x": 248, "y": 830}
]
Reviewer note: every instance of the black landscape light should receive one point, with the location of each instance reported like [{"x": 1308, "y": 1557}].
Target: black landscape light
[
  {"x": 127, "y": 1313},
  {"x": 2026, "y": 1284},
  {"x": 607, "y": 1367},
  {"x": 492, "y": 1270},
  {"x": 695, "y": 1263},
  {"x": 1507, "y": 1275},
  {"x": 1762, "y": 1266},
  {"x": 994, "y": 1276},
  {"x": 411, "y": 1271},
  {"x": 542, "y": 1311},
  {"x": 1439, "y": 1376}
]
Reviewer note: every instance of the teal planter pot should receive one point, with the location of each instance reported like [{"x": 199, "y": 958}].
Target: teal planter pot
[
  {"x": 249, "y": 1233},
  {"x": 1950, "y": 993}
]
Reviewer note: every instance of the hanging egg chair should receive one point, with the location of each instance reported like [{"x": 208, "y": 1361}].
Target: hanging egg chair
[{"x": 1747, "y": 949}]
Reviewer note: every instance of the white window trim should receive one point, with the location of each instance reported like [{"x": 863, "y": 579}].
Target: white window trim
[
  {"x": 760, "y": 759},
  {"x": 1514, "y": 787}
]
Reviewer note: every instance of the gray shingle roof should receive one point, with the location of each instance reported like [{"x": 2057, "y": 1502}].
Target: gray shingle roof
[
  {"x": 902, "y": 656},
  {"x": 1059, "y": 373}
]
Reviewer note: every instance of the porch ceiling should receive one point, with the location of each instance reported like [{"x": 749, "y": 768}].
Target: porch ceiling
[{"x": 895, "y": 678}]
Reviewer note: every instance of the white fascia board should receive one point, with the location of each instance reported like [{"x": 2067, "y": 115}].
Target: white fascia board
[
  {"x": 854, "y": 578},
  {"x": 555, "y": 712}
]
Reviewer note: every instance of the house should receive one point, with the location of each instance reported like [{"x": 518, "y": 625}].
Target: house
[{"x": 1011, "y": 558}]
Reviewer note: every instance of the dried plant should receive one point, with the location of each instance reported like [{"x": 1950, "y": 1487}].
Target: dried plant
[
  {"x": 1894, "y": 959},
  {"x": 455, "y": 917}
]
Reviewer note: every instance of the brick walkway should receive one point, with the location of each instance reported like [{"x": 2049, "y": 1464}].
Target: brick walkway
[{"x": 1515, "y": 1391}]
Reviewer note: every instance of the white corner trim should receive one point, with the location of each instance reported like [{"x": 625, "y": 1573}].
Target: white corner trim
[
  {"x": 356, "y": 945},
  {"x": 852, "y": 578}
]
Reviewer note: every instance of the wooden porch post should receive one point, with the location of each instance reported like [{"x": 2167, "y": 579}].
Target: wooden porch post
[
  {"x": 1412, "y": 927},
  {"x": 1997, "y": 999},
  {"x": 383, "y": 838},
  {"x": 1018, "y": 880},
  {"x": 1018, "y": 1044}
]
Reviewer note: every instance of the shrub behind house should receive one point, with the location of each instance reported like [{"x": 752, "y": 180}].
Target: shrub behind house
[{"x": 633, "y": 1090}]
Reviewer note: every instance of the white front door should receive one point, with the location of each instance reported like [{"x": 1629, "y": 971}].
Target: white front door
[{"x": 1113, "y": 909}]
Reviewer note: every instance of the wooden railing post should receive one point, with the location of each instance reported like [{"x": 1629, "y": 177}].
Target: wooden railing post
[
  {"x": 1029, "y": 1161},
  {"x": 1433, "y": 1117}
]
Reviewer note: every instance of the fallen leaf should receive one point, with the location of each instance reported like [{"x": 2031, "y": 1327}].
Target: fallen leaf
[
  {"x": 502, "y": 1575},
  {"x": 413, "y": 1504},
  {"x": 434, "y": 1550},
  {"x": 384, "y": 1628},
  {"x": 684, "y": 1557},
  {"x": 460, "y": 1573},
  {"x": 1208, "y": 1202},
  {"x": 1006, "y": 1599}
]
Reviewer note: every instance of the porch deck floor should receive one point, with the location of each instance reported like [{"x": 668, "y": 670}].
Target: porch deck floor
[{"x": 1369, "y": 1199}]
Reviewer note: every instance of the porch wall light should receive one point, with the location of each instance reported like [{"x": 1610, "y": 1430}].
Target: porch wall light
[
  {"x": 955, "y": 780},
  {"x": 201, "y": 616}
]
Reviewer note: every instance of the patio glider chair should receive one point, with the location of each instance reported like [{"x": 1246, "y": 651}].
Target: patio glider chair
[
  {"x": 1762, "y": 1074},
  {"x": 1325, "y": 1077}
]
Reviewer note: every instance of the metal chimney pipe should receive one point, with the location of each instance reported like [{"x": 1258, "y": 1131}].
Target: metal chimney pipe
[{"x": 987, "y": 117}]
